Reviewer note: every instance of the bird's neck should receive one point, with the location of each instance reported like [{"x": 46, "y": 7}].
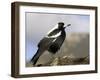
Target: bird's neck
[{"x": 63, "y": 33}]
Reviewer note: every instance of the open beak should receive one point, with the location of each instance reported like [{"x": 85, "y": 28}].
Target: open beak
[{"x": 67, "y": 26}]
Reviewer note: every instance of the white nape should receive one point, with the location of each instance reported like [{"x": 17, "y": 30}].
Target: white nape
[
  {"x": 54, "y": 36},
  {"x": 56, "y": 27}
]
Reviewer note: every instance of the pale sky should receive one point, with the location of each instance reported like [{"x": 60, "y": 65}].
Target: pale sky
[{"x": 38, "y": 24}]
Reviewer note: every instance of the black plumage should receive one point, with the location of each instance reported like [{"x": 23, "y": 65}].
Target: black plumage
[{"x": 52, "y": 42}]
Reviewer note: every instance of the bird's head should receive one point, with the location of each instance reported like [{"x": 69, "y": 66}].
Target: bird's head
[{"x": 61, "y": 25}]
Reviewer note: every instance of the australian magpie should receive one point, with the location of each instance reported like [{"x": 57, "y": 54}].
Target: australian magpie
[{"x": 51, "y": 42}]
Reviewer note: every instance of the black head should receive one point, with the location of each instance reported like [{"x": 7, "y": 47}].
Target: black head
[{"x": 61, "y": 25}]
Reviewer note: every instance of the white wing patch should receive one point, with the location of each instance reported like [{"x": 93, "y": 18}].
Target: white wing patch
[{"x": 54, "y": 40}]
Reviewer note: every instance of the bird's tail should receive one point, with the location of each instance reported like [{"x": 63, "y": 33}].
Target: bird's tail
[{"x": 36, "y": 57}]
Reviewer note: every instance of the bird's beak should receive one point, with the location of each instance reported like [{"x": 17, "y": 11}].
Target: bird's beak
[{"x": 67, "y": 26}]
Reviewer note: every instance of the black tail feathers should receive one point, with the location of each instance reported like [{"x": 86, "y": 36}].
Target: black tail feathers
[{"x": 35, "y": 57}]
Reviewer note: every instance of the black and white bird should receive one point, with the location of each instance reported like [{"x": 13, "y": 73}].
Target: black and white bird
[{"x": 51, "y": 42}]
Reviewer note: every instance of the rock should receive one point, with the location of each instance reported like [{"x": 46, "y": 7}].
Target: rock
[
  {"x": 66, "y": 60},
  {"x": 55, "y": 62}
]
